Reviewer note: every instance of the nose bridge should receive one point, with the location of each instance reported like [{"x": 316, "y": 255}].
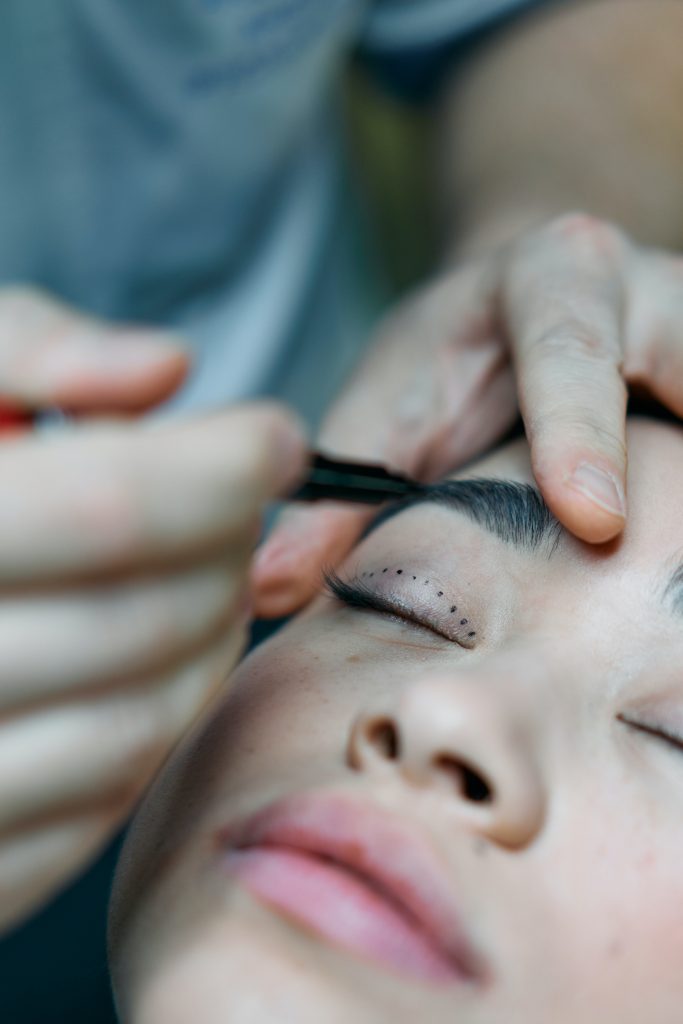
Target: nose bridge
[{"x": 501, "y": 700}]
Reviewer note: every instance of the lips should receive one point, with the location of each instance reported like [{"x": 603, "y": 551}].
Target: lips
[{"x": 354, "y": 875}]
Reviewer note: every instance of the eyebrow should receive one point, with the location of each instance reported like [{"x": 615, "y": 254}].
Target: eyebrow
[{"x": 512, "y": 511}]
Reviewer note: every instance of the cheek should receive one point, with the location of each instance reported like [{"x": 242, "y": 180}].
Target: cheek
[
  {"x": 286, "y": 718},
  {"x": 281, "y": 727},
  {"x": 623, "y": 902}
]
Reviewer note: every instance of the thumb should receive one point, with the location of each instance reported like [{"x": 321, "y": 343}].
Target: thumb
[
  {"x": 51, "y": 354},
  {"x": 434, "y": 371},
  {"x": 287, "y": 569}
]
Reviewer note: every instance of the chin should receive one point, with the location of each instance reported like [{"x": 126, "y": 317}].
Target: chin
[
  {"x": 243, "y": 964},
  {"x": 248, "y": 968}
]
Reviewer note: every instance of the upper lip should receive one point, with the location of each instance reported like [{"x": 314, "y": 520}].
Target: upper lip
[{"x": 374, "y": 844}]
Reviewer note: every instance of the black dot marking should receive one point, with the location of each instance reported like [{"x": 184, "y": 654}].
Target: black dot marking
[
  {"x": 372, "y": 574},
  {"x": 384, "y": 570},
  {"x": 399, "y": 571},
  {"x": 454, "y": 608},
  {"x": 463, "y": 622},
  {"x": 426, "y": 582},
  {"x": 440, "y": 593},
  {"x": 472, "y": 633},
  {"x": 414, "y": 577}
]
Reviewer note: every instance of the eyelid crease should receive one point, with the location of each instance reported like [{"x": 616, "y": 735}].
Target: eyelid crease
[
  {"x": 355, "y": 594},
  {"x": 656, "y": 731}
]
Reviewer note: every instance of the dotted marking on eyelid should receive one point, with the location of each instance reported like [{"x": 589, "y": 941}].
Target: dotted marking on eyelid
[
  {"x": 414, "y": 577},
  {"x": 372, "y": 574},
  {"x": 440, "y": 593},
  {"x": 454, "y": 608},
  {"x": 384, "y": 570},
  {"x": 472, "y": 633},
  {"x": 463, "y": 622},
  {"x": 399, "y": 571}
]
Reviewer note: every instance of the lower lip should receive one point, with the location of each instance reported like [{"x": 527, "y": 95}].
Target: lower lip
[{"x": 342, "y": 908}]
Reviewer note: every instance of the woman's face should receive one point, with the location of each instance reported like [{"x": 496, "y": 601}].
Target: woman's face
[{"x": 466, "y": 807}]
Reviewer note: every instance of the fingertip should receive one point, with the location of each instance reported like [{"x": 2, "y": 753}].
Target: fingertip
[
  {"x": 286, "y": 444},
  {"x": 587, "y": 522},
  {"x": 279, "y": 602},
  {"x": 590, "y": 502},
  {"x": 281, "y": 581},
  {"x": 129, "y": 372},
  {"x": 288, "y": 567}
]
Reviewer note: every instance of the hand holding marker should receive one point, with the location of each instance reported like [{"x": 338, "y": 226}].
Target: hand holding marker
[{"x": 124, "y": 555}]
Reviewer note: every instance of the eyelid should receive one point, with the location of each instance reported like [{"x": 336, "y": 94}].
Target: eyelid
[
  {"x": 655, "y": 731},
  {"x": 355, "y": 594}
]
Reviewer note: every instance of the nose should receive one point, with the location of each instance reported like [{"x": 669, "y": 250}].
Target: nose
[{"x": 458, "y": 737}]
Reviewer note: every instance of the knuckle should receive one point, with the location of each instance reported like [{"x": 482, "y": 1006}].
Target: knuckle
[
  {"x": 578, "y": 224},
  {"x": 589, "y": 240},
  {"x": 580, "y": 426},
  {"x": 105, "y": 505},
  {"x": 573, "y": 340},
  {"x": 594, "y": 237},
  {"x": 151, "y": 625}
]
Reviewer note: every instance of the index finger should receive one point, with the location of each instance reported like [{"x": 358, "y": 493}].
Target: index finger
[
  {"x": 563, "y": 296},
  {"x": 118, "y": 498}
]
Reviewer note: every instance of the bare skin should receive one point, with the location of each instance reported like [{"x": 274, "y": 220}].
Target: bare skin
[
  {"x": 562, "y": 692},
  {"x": 534, "y": 309},
  {"x": 124, "y": 554},
  {"x": 560, "y": 189}
]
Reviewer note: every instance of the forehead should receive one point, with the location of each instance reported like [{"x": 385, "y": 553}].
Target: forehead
[{"x": 654, "y": 529}]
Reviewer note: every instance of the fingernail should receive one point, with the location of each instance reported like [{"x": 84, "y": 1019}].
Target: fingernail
[
  {"x": 270, "y": 556},
  {"x": 600, "y": 487}
]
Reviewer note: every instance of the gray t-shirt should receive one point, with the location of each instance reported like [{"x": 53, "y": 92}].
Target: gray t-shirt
[{"x": 178, "y": 162}]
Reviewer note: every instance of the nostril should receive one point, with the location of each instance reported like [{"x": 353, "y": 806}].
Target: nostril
[
  {"x": 382, "y": 736},
  {"x": 469, "y": 782},
  {"x": 475, "y": 787}
]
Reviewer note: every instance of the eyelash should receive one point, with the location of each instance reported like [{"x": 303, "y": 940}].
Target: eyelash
[
  {"x": 656, "y": 733},
  {"x": 358, "y": 595}
]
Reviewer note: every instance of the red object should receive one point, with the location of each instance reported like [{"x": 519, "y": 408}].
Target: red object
[{"x": 14, "y": 420}]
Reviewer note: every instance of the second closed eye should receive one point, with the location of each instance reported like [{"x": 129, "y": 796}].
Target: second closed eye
[{"x": 440, "y": 615}]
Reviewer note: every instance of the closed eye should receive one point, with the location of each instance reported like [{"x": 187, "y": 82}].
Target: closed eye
[
  {"x": 357, "y": 595},
  {"x": 656, "y": 731}
]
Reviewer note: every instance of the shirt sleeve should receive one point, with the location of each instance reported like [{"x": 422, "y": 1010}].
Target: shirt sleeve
[{"x": 411, "y": 43}]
